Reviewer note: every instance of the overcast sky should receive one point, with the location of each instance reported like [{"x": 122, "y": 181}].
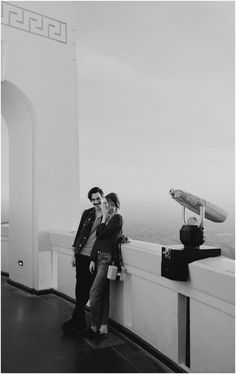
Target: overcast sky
[{"x": 156, "y": 99}]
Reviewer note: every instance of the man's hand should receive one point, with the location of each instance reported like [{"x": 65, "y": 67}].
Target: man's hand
[{"x": 92, "y": 267}]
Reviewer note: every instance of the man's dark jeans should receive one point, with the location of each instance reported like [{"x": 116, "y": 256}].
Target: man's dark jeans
[{"x": 84, "y": 281}]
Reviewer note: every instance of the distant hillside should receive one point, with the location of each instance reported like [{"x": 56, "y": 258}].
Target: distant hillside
[{"x": 167, "y": 234}]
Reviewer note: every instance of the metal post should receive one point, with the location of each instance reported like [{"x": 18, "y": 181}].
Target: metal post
[
  {"x": 202, "y": 214},
  {"x": 184, "y": 216}
]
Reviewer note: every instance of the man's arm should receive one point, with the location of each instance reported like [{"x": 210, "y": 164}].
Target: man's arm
[{"x": 84, "y": 215}]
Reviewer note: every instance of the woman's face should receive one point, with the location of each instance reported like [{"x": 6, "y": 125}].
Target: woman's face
[
  {"x": 106, "y": 203},
  {"x": 110, "y": 205}
]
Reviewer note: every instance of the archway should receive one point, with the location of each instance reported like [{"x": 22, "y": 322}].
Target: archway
[
  {"x": 4, "y": 173},
  {"x": 20, "y": 120}
]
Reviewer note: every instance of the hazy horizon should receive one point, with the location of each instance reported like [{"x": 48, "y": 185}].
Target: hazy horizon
[
  {"x": 161, "y": 226},
  {"x": 156, "y": 100},
  {"x": 156, "y": 110}
]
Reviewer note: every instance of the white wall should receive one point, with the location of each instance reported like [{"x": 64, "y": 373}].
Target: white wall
[
  {"x": 213, "y": 342},
  {"x": 4, "y": 172},
  {"x": 41, "y": 65},
  {"x": 45, "y": 72},
  {"x": 154, "y": 307}
]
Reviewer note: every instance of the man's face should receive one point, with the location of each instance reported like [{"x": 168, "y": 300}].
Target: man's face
[{"x": 96, "y": 200}]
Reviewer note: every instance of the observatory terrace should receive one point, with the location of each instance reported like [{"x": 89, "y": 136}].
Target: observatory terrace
[
  {"x": 190, "y": 323},
  {"x": 185, "y": 322}
]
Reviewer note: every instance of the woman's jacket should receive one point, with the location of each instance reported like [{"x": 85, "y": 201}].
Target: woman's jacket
[{"x": 108, "y": 238}]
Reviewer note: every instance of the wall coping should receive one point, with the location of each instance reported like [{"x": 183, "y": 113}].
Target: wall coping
[
  {"x": 211, "y": 280},
  {"x": 219, "y": 264}
]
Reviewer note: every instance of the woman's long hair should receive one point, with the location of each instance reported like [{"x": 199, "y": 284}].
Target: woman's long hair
[{"x": 112, "y": 210}]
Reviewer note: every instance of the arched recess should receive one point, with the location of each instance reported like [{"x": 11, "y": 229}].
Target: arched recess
[{"x": 19, "y": 116}]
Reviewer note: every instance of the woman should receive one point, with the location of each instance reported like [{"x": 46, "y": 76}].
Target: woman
[{"x": 104, "y": 253}]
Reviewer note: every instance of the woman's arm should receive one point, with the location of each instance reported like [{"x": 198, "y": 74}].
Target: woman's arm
[{"x": 113, "y": 227}]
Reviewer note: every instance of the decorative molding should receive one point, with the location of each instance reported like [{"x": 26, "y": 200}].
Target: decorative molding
[{"x": 34, "y": 23}]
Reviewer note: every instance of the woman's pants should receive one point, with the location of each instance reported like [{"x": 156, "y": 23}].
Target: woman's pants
[{"x": 99, "y": 293}]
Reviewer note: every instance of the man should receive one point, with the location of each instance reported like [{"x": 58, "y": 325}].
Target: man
[{"x": 83, "y": 244}]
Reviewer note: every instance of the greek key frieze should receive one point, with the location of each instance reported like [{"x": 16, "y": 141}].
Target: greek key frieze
[{"x": 33, "y": 22}]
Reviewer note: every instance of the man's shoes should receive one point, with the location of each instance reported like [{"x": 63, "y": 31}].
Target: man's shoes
[
  {"x": 71, "y": 326},
  {"x": 91, "y": 334}
]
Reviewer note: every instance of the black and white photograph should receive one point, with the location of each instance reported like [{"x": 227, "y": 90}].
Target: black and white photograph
[{"x": 118, "y": 186}]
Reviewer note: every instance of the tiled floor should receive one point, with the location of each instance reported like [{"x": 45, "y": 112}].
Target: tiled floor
[{"x": 33, "y": 342}]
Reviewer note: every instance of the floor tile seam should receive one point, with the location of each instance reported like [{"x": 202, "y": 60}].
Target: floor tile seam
[
  {"x": 147, "y": 354},
  {"x": 92, "y": 349},
  {"x": 149, "y": 363},
  {"x": 44, "y": 352},
  {"x": 43, "y": 299},
  {"x": 125, "y": 358},
  {"x": 159, "y": 362},
  {"x": 61, "y": 311}
]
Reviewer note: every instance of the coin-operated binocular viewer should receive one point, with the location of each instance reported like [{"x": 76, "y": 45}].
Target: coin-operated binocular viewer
[{"x": 175, "y": 258}]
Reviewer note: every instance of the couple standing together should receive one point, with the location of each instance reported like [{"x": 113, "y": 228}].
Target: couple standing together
[{"x": 96, "y": 246}]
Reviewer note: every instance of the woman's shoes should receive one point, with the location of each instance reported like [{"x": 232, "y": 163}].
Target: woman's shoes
[
  {"x": 92, "y": 334},
  {"x": 103, "y": 331}
]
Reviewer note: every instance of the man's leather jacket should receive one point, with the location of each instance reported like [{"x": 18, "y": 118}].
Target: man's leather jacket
[{"x": 85, "y": 226}]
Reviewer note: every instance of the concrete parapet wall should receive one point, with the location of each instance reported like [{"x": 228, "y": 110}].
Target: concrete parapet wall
[
  {"x": 155, "y": 308},
  {"x": 190, "y": 322}
]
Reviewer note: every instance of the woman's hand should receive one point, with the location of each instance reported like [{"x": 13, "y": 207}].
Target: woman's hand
[
  {"x": 104, "y": 210},
  {"x": 92, "y": 267}
]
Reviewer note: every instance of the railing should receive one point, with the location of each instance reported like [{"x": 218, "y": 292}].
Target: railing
[{"x": 192, "y": 323}]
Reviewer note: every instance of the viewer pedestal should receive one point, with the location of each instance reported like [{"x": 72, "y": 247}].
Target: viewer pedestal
[{"x": 175, "y": 259}]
